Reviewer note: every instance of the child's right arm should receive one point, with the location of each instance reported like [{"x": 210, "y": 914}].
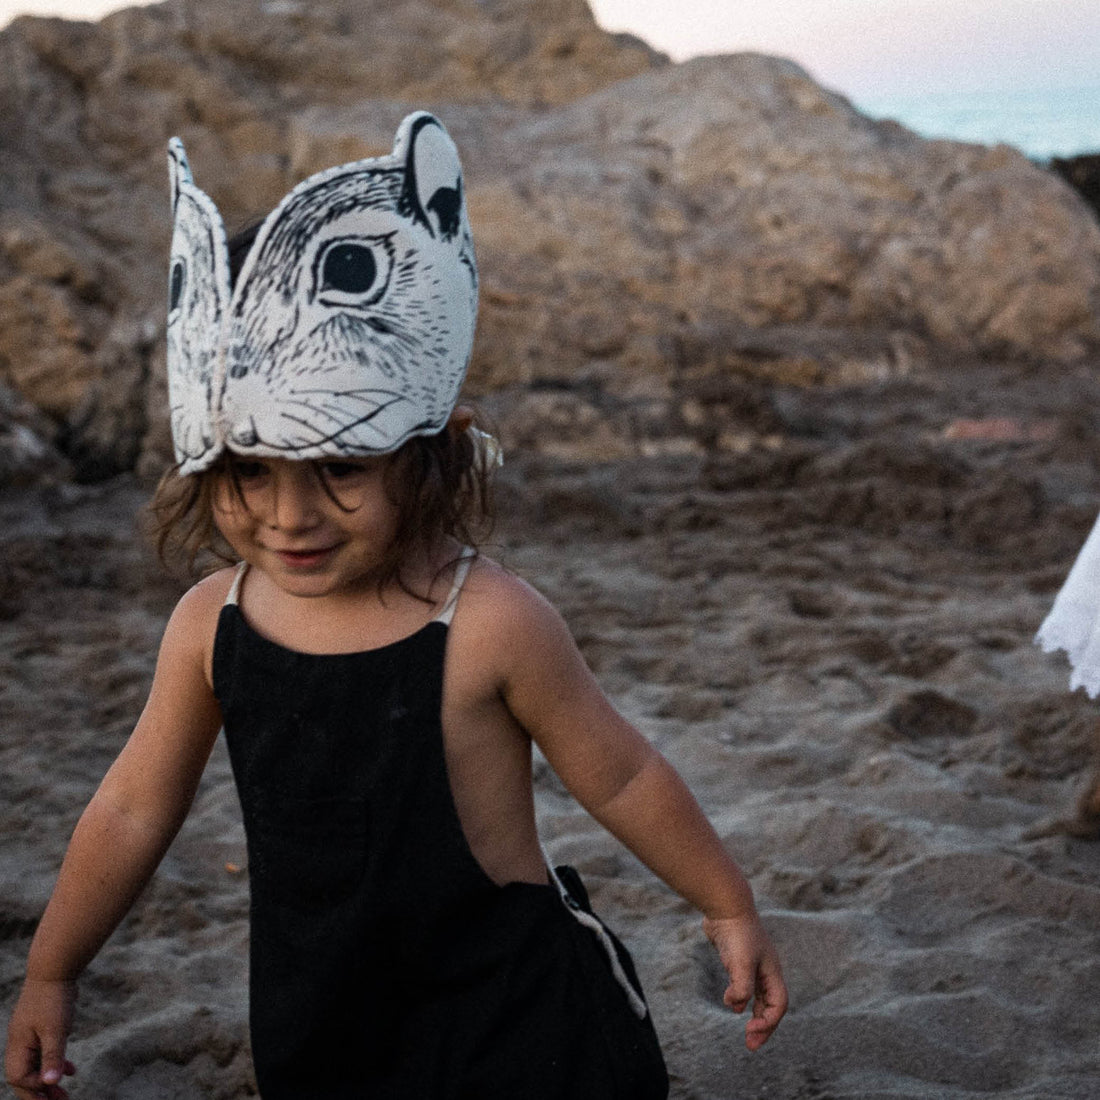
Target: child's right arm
[{"x": 118, "y": 842}]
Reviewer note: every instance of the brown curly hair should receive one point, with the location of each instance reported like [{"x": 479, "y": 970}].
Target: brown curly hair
[{"x": 440, "y": 484}]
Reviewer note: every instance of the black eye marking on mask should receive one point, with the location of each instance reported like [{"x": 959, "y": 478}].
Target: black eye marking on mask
[
  {"x": 175, "y": 286},
  {"x": 349, "y": 268},
  {"x": 353, "y": 272}
]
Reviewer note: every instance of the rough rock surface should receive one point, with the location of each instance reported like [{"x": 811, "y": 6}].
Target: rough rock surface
[
  {"x": 1083, "y": 173},
  {"x": 648, "y": 233},
  {"x": 28, "y": 455}
]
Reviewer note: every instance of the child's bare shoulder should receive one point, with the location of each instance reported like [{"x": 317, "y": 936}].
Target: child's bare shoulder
[
  {"x": 209, "y": 594},
  {"x": 509, "y": 615},
  {"x": 494, "y": 592},
  {"x": 196, "y": 614}
]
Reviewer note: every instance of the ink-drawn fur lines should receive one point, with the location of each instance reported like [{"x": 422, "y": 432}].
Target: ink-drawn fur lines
[
  {"x": 352, "y": 322},
  {"x": 198, "y": 298}
]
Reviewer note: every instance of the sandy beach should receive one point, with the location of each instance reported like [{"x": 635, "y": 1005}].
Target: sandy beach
[
  {"x": 801, "y": 416},
  {"x": 829, "y": 634}
]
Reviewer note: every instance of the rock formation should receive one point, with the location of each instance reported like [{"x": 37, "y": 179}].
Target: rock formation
[
  {"x": 648, "y": 233},
  {"x": 1083, "y": 173}
]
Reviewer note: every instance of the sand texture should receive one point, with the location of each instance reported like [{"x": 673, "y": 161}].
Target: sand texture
[{"x": 830, "y": 635}]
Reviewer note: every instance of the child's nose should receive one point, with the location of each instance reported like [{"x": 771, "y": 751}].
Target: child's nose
[{"x": 294, "y": 504}]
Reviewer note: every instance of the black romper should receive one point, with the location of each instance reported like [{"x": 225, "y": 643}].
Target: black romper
[{"x": 385, "y": 964}]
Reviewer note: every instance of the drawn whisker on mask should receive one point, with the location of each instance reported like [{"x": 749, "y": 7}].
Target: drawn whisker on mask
[
  {"x": 407, "y": 339},
  {"x": 334, "y": 404},
  {"x": 402, "y": 340},
  {"x": 335, "y": 415},
  {"x": 382, "y": 331},
  {"x": 370, "y": 394},
  {"x": 332, "y": 411},
  {"x": 318, "y": 440}
]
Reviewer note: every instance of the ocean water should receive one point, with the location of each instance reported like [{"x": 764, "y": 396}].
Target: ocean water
[{"x": 1042, "y": 124}]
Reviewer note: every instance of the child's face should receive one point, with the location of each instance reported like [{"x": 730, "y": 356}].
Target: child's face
[{"x": 315, "y": 528}]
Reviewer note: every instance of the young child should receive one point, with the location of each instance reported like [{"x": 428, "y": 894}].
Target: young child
[{"x": 380, "y": 685}]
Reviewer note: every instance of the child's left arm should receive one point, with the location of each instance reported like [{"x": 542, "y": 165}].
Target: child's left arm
[
  {"x": 657, "y": 818},
  {"x": 626, "y": 785}
]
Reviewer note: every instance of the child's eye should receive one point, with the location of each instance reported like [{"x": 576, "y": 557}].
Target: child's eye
[
  {"x": 341, "y": 471},
  {"x": 249, "y": 471}
]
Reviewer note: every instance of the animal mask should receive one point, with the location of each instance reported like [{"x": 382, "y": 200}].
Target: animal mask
[{"x": 351, "y": 323}]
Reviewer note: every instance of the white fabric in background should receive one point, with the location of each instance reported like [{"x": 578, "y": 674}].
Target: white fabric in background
[{"x": 1074, "y": 621}]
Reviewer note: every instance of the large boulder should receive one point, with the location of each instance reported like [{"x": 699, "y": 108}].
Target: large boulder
[
  {"x": 694, "y": 213},
  {"x": 1083, "y": 174},
  {"x": 641, "y": 226}
]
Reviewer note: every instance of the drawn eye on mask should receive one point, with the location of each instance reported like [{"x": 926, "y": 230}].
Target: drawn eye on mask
[
  {"x": 351, "y": 324},
  {"x": 353, "y": 272}
]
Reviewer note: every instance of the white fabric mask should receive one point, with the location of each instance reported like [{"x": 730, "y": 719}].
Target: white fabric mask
[{"x": 351, "y": 325}]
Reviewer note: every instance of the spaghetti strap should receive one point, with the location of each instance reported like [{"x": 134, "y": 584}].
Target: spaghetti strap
[
  {"x": 235, "y": 591},
  {"x": 462, "y": 569}
]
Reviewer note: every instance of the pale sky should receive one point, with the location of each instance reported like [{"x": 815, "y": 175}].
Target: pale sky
[
  {"x": 885, "y": 46},
  {"x": 858, "y": 47}
]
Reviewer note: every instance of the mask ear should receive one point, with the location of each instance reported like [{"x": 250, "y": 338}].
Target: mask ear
[
  {"x": 198, "y": 298},
  {"x": 179, "y": 171},
  {"x": 433, "y": 176}
]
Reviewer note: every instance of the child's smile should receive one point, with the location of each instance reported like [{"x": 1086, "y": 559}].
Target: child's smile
[
  {"x": 316, "y": 528},
  {"x": 304, "y": 559}
]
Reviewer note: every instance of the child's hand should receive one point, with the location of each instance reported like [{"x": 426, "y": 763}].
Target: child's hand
[
  {"x": 35, "y": 1059},
  {"x": 755, "y": 975}
]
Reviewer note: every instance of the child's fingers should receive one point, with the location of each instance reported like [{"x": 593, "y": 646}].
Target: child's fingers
[
  {"x": 769, "y": 1006},
  {"x": 54, "y": 1063},
  {"x": 25, "y": 1091},
  {"x": 30, "y": 1086},
  {"x": 757, "y": 1033},
  {"x": 739, "y": 957},
  {"x": 38, "y": 1077},
  {"x": 21, "y": 1064},
  {"x": 739, "y": 991},
  {"x": 754, "y": 975}
]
